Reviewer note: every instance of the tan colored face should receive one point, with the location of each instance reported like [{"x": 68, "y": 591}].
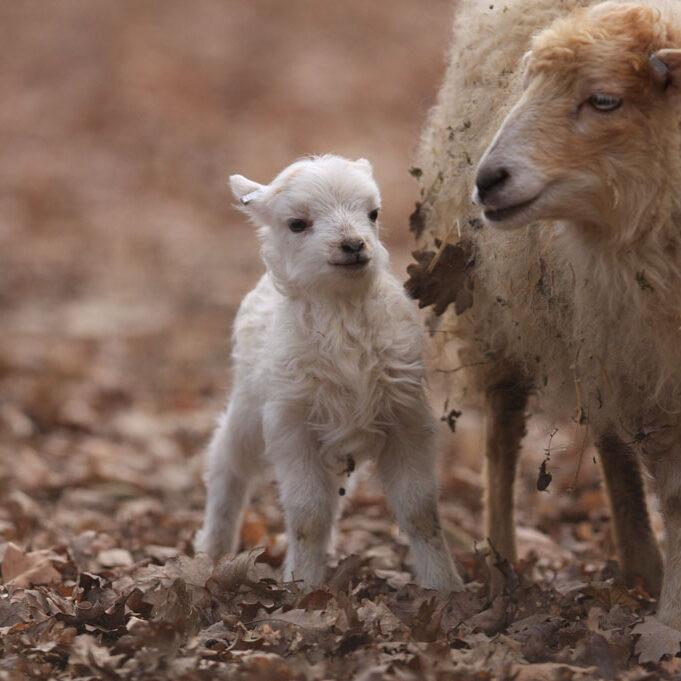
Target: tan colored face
[{"x": 594, "y": 119}]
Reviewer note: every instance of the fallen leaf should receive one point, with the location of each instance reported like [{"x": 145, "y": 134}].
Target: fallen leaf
[
  {"x": 551, "y": 671},
  {"x": 23, "y": 569},
  {"x": 114, "y": 557},
  {"x": 655, "y": 640},
  {"x": 230, "y": 573},
  {"x": 495, "y": 618},
  {"x": 444, "y": 282}
]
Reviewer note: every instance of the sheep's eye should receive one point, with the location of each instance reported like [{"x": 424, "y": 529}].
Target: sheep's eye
[
  {"x": 298, "y": 225},
  {"x": 603, "y": 102},
  {"x": 373, "y": 216}
]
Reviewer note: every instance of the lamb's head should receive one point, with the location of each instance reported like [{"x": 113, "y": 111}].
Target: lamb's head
[
  {"x": 594, "y": 138},
  {"x": 318, "y": 225}
]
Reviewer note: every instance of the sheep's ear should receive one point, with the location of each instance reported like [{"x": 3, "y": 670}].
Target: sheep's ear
[
  {"x": 666, "y": 67},
  {"x": 365, "y": 164},
  {"x": 525, "y": 58},
  {"x": 523, "y": 67},
  {"x": 244, "y": 189}
]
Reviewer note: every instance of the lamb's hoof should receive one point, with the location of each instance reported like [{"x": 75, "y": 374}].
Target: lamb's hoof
[
  {"x": 445, "y": 584},
  {"x": 204, "y": 543}
]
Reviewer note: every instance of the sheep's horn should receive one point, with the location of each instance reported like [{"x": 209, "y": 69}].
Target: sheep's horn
[{"x": 660, "y": 69}]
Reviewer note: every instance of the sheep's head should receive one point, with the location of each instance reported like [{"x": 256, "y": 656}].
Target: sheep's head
[
  {"x": 318, "y": 223},
  {"x": 591, "y": 138}
]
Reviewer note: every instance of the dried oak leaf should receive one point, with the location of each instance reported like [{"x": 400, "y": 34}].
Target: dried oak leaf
[
  {"x": 230, "y": 573},
  {"x": 379, "y": 619},
  {"x": 88, "y": 656},
  {"x": 26, "y": 569},
  {"x": 427, "y": 623},
  {"x": 496, "y": 618},
  {"x": 549, "y": 671},
  {"x": 345, "y": 574},
  {"x": 311, "y": 620},
  {"x": 100, "y": 615},
  {"x": 536, "y": 634},
  {"x": 12, "y": 612},
  {"x": 656, "y": 640},
  {"x": 315, "y": 600},
  {"x": 609, "y": 658},
  {"x": 447, "y": 281}
]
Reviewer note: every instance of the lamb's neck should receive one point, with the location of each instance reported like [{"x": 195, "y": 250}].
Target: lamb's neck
[
  {"x": 334, "y": 305},
  {"x": 323, "y": 312}
]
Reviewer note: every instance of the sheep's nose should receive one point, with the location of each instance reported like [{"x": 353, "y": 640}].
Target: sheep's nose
[
  {"x": 352, "y": 245},
  {"x": 490, "y": 179}
]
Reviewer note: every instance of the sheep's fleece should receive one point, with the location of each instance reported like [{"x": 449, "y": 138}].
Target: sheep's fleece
[{"x": 589, "y": 322}]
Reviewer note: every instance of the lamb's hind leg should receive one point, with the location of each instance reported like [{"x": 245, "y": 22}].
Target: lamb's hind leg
[
  {"x": 637, "y": 549},
  {"x": 232, "y": 461},
  {"x": 407, "y": 472},
  {"x": 505, "y": 428}
]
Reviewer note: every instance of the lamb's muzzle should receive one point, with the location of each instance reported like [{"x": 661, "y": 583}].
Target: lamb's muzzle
[
  {"x": 352, "y": 245},
  {"x": 353, "y": 256}
]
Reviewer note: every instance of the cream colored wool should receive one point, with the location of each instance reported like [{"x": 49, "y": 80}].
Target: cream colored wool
[
  {"x": 578, "y": 296},
  {"x": 328, "y": 374}
]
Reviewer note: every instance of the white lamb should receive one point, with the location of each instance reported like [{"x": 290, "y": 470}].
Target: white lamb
[
  {"x": 328, "y": 373},
  {"x": 575, "y": 295}
]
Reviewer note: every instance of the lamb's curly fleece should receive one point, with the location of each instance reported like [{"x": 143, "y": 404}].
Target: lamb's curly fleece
[{"x": 585, "y": 312}]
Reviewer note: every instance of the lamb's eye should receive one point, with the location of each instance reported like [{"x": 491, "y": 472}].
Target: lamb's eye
[
  {"x": 373, "y": 216},
  {"x": 603, "y": 102},
  {"x": 298, "y": 225}
]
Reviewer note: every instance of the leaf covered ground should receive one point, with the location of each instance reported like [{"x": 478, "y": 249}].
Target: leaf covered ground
[{"x": 121, "y": 266}]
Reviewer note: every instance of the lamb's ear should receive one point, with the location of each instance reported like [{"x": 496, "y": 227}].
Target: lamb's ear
[
  {"x": 666, "y": 68},
  {"x": 244, "y": 189},
  {"x": 365, "y": 164}
]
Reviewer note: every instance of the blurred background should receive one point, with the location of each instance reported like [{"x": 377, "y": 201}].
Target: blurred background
[{"x": 123, "y": 261}]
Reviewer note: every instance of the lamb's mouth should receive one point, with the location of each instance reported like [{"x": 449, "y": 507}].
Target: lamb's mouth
[
  {"x": 502, "y": 214},
  {"x": 358, "y": 263}
]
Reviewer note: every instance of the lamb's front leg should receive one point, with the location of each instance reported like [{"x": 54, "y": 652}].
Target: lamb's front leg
[
  {"x": 309, "y": 499},
  {"x": 407, "y": 471}
]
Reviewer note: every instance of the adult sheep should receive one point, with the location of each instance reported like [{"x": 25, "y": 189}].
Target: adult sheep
[{"x": 582, "y": 304}]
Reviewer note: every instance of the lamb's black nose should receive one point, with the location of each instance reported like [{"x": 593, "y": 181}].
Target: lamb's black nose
[
  {"x": 489, "y": 179},
  {"x": 352, "y": 245}
]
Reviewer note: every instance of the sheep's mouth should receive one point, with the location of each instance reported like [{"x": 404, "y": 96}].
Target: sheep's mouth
[{"x": 502, "y": 214}]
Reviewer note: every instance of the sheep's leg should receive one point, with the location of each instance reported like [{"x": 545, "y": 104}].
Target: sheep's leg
[
  {"x": 637, "y": 548},
  {"x": 505, "y": 428},
  {"x": 309, "y": 498},
  {"x": 665, "y": 466},
  {"x": 407, "y": 472},
  {"x": 232, "y": 459}
]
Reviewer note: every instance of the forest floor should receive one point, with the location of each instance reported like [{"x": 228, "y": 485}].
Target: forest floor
[{"x": 122, "y": 263}]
